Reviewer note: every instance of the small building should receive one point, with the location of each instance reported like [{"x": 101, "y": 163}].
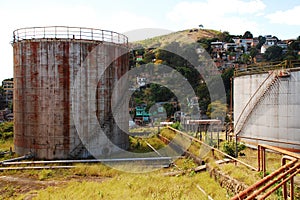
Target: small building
[
  {"x": 216, "y": 46},
  {"x": 246, "y": 43},
  {"x": 271, "y": 41},
  {"x": 282, "y": 44},
  {"x": 141, "y": 115},
  {"x": 8, "y": 86},
  {"x": 228, "y": 46}
]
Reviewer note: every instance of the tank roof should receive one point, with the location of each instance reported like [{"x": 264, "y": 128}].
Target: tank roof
[{"x": 66, "y": 32}]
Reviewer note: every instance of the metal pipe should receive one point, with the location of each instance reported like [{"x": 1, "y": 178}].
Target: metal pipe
[
  {"x": 258, "y": 158},
  {"x": 16, "y": 159},
  {"x": 208, "y": 197},
  {"x": 149, "y": 145},
  {"x": 88, "y": 161},
  {"x": 236, "y": 149},
  {"x": 215, "y": 149},
  {"x": 283, "y": 162},
  {"x": 279, "y": 185},
  {"x": 253, "y": 187},
  {"x": 292, "y": 188},
  {"x": 264, "y": 167},
  {"x": 36, "y": 167},
  {"x": 269, "y": 184},
  {"x": 267, "y": 140},
  {"x": 292, "y": 154}
]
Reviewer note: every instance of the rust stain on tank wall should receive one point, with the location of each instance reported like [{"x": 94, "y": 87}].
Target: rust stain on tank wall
[
  {"x": 66, "y": 95},
  {"x": 44, "y": 71}
]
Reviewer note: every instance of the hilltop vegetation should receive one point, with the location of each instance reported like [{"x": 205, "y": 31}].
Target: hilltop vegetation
[{"x": 182, "y": 37}]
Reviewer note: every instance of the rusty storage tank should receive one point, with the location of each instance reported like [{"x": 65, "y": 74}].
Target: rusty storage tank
[
  {"x": 49, "y": 64},
  {"x": 267, "y": 105}
]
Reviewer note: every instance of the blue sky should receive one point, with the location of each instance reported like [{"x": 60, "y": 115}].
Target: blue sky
[{"x": 261, "y": 17}]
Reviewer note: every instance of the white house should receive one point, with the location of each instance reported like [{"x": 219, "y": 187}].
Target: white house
[{"x": 270, "y": 41}]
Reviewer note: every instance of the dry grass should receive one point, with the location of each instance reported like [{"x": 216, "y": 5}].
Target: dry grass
[
  {"x": 81, "y": 184},
  {"x": 139, "y": 144},
  {"x": 138, "y": 186},
  {"x": 184, "y": 37}
]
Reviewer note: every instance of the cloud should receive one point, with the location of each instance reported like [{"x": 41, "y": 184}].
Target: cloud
[
  {"x": 230, "y": 15},
  {"x": 77, "y": 14},
  {"x": 17, "y": 17},
  {"x": 127, "y": 21},
  {"x": 288, "y": 17}
]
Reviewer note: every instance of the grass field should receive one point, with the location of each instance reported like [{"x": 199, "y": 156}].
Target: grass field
[
  {"x": 97, "y": 181},
  {"x": 137, "y": 186}
]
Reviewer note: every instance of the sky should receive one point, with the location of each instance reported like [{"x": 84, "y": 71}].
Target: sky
[{"x": 260, "y": 17}]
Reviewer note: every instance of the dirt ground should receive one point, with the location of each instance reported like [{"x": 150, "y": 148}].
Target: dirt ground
[{"x": 11, "y": 186}]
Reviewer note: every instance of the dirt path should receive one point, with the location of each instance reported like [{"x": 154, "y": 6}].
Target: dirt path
[{"x": 12, "y": 186}]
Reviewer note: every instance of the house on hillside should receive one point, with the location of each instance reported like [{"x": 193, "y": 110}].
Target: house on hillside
[
  {"x": 8, "y": 86},
  {"x": 245, "y": 43},
  {"x": 283, "y": 45},
  {"x": 270, "y": 41},
  {"x": 230, "y": 46},
  {"x": 216, "y": 46}
]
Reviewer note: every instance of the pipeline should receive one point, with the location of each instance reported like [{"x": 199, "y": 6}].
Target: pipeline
[
  {"x": 212, "y": 148},
  {"x": 90, "y": 161},
  {"x": 269, "y": 184},
  {"x": 27, "y": 156},
  {"x": 162, "y": 161},
  {"x": 36, "y": 167},
  {"x": 258, "y": 184},
  {"x": 149, "y": 145}
]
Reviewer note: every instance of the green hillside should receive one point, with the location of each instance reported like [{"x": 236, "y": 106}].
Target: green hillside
[{"x": 185, "y": 37}]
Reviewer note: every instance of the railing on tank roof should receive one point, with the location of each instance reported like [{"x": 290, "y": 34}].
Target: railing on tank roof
[
  {"x": 65, "y": 32},
  {"x": 265, "y": 67}
]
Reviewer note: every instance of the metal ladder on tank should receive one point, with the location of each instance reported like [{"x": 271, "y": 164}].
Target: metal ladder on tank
[{"x": 254, "y": 100}]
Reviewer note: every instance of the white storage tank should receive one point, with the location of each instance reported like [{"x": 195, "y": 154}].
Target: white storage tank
[{"x": 267, "y": 106}]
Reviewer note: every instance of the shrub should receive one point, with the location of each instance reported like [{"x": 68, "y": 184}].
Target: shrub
[
  {"x": 229, "y": 148},
  {"x": 176, "y": 125},
  {"x": 6, "y": 130}
]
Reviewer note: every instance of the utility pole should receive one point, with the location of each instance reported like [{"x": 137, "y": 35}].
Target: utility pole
[{"x": 231, "y": 116}]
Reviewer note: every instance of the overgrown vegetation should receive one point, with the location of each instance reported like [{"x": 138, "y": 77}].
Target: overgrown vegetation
[
  {"x": 6, "y": 130},
  {"x": 6, "y": 140},
  {"x": 139, "y": 145},
  {"x": 230, "y": 148},
  {"x": 138, "y": 186},
  {"x": 177, "y": 125}
]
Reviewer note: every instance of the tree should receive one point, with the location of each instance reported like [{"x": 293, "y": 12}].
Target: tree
[
  {"x": 273, "y": 53},
  {"x": 216, "y": 110},
  {"x": 247, "y": 35},
  {"x": 2, "y": 98},
  {"x": 227, "y": 76},
  {"x": 225, "y": 37},
  {"x": 203, "y": 94},
  {"x": 206, "y": 43},
  {"x": 261, "y": 41},
  {"x": 200, "y": 26},
  {"x": 295, "y": 45},
  {"x": 253, "y": 53},
  {"x": 149, "y": 56},
  {"x": 245, "y": 58}
]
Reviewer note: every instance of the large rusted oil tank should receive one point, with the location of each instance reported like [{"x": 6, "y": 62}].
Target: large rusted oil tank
[{"x": 50, "y": 63}]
